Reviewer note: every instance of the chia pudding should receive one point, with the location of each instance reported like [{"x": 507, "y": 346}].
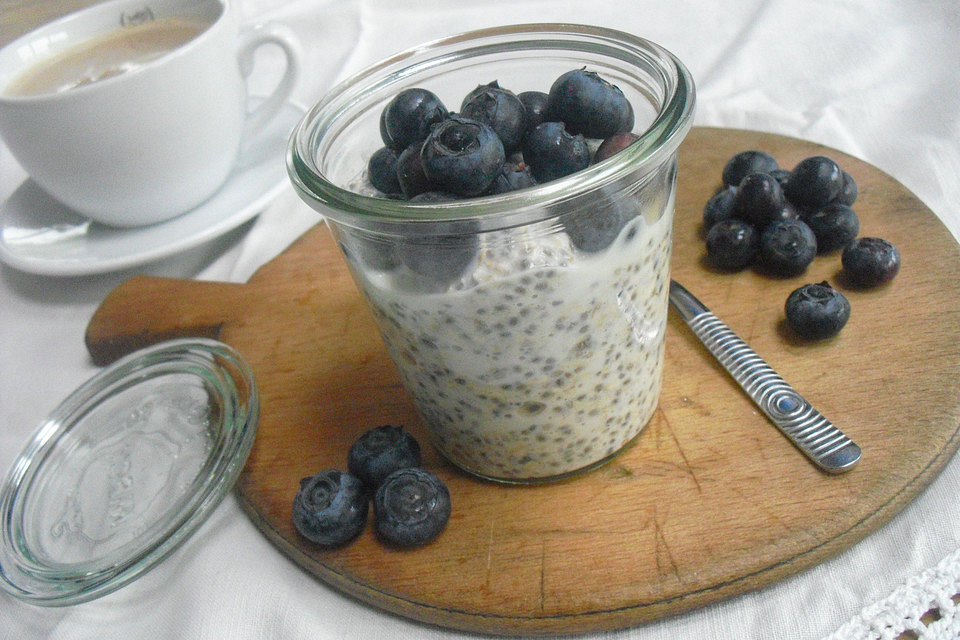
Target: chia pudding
[
  {"x": 527, "y": 325},
  {"x": 540, "y": 359}
]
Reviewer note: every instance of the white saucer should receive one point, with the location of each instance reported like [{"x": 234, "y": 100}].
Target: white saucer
[{"x": 40, "y": 235}]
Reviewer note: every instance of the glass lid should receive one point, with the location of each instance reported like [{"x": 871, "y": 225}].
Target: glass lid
[{"x": 125, "y": 470}]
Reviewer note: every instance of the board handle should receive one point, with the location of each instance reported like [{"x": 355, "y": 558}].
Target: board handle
[{"x": 145, "y": 310}]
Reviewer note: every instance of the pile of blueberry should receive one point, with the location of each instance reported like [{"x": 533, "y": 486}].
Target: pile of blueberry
[
  {"x": 780, "y": 220},
  {"x": 499, "y": 141},
  {"x": 411, "y": 505}
]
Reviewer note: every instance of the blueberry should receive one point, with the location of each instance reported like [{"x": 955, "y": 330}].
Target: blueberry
[
  {"x": 589, "y": 105},
  {"x": 407, "y": 118},
  {"x": 787, "y": 247},
  {"x": 732, "y": 244},
  {"x": 817, "y": 311},
  {"x": 614, "y": 144},
  {"x": 595, "y": 228},
  {"x": 835, "y": 226},
  {"x": 552, "y": 152},
  {"x": 719, "y": 206},
  {"x": 781, "y": 176},
  {"x": 513, "y": 176},
  {"x": 501, "y": 110},
  {"x": 745, "y": 162},
  {"x": 384, "y": 134},
  {"x": 376, "y": 252},
  {"x": 382, "y": 170},
  {"x": 411, "y": 507},
  {"x": 759, "y": 200},
  {"x": 433, "y": 196},
  {"x": 868, "y": 262},
  {"x": 438, "y": 260},
  {"x": 814, "y": 182},
  {"x": 535, "y": 106},
  {"x": 410, "y": 173},
  {"x": 380, "y": 451},
  {"x": 330, "y": 508},
  {"x": 462, "y": 156},
  {"x": 787, "y": 212},
  {"x": 849, "y": 190}
]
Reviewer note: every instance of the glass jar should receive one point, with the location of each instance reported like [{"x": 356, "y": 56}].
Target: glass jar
[{"x": 527, "y": 327}]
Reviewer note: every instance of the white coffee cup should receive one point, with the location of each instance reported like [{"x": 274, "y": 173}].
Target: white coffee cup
[{"x": 152, "y": 142}]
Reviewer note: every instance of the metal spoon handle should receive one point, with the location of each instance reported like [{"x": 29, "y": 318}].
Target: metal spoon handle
[{"x": 806, "y": 427}]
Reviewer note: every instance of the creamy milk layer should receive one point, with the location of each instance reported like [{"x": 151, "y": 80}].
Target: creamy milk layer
[{"x": 540, "y": 359}]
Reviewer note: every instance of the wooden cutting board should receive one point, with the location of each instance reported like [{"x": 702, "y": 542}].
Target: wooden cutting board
[{"x": 710, "y": 501}]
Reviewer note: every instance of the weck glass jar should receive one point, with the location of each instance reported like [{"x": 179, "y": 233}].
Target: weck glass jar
[{"x": 527, "y": 327}]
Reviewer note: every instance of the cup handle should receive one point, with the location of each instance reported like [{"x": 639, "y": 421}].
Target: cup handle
[{"x": 251, "y": 40}]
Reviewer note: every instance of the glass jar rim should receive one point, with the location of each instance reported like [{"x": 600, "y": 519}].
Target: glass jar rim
[{"x": 657, "y": 142}]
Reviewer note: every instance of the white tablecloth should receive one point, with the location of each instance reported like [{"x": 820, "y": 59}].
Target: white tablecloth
[{"x": 878, "y": 80}]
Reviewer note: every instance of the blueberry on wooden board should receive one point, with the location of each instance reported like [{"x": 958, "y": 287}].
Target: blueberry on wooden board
[
  {"x": 744, "y": 162},
  {"x": 411, "y": 507},
  {"x": 849, "y": 190},
  {"x": 759, "y": 200},
  {"x": 330, "y": 508},
  {"x": 835, "y": 226},
  {"x": 781, "y": 176},
  {"x": 868, "y": 262},
  {"x": 719, "y": 206},
  {"x": 380, "y": 451},
  {"x": 817, "y": 311},
  {"x": 815, "y": 182},
  {"x": 787, "y": 247},
  {"x": 732, "y": 244}
]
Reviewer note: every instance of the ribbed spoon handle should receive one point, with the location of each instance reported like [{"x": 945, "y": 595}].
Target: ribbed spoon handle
[{"x": 806, "y": 427}]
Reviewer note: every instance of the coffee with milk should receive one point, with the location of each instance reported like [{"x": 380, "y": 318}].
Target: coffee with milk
[
  {"x": 105, "y": 56},
  {"x": 133, "y": 112}
]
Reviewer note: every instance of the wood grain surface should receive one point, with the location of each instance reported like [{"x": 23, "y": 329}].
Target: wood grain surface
[{"x": 710, "y": 501}]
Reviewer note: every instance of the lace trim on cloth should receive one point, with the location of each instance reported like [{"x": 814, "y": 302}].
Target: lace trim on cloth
[{"x": 925, "y": 607}]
